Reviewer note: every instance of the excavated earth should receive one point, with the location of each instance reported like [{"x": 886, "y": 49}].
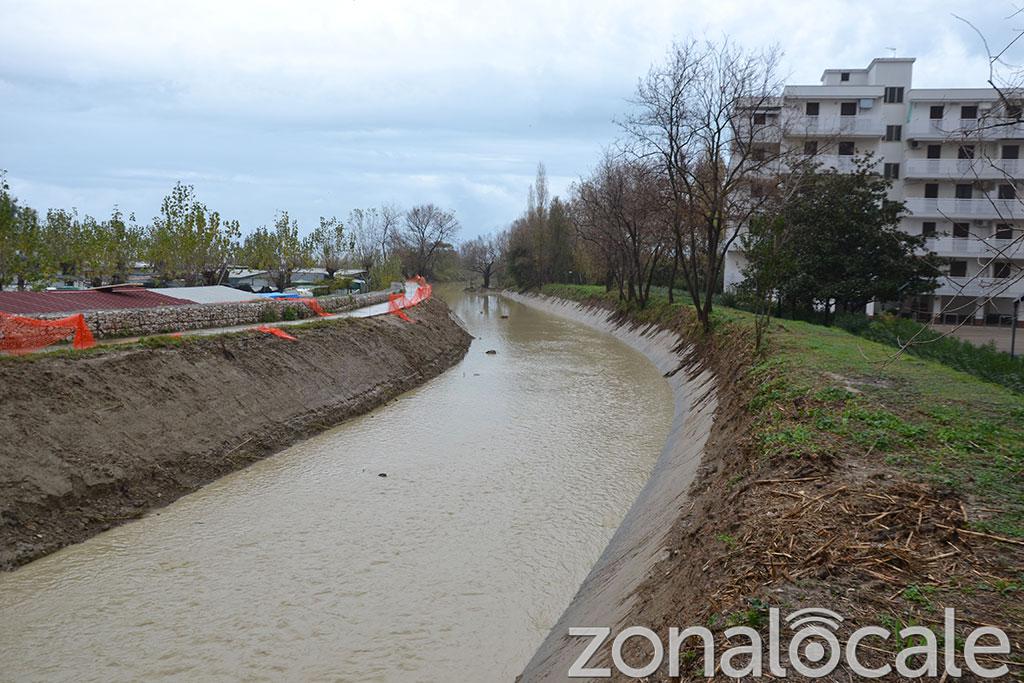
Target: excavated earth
[{"x": 90, "y": 440}]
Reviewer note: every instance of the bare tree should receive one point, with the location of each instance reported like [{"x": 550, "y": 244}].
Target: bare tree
[
  {"x": 373, "y": 231},
  {"x": 700, "y": 121},
  {"x": 427, "y": 227},
  {"x": 619, "y": 210},
  {"x": 482, "y": 255}
]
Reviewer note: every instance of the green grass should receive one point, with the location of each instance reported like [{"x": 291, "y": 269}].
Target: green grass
[
  {"x": 822, "y": 391},
  {"x": 984, "y": 362}
]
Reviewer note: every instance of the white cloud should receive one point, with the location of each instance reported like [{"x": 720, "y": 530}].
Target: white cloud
[{"x": 323, "y": 106}]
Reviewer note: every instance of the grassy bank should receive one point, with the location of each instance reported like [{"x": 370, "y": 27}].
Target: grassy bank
[{"x": 884, "y": 486}]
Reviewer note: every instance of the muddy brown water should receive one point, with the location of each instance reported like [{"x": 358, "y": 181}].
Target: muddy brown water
[{"x": 506, "y": 477}]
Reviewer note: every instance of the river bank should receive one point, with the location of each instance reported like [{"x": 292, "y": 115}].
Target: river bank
[
  {"x": 832, "y": 475},
  {"x": 507, "y": 476},
  {"x": 90, "y": 440}
]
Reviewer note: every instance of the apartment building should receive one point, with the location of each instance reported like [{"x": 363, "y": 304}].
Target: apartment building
[{"x": 955, "y": 158}]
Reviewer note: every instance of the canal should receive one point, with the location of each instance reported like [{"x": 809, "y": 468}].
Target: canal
[{"x": 505, "y": 478}]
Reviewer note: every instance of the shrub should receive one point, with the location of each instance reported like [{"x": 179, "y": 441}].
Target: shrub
[{"x": 269, "y": 314}]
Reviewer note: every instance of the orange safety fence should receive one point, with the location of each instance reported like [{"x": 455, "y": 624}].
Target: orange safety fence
[
  {"x": 315, "y": 306},
  {"x": 23, "y": 335},
  {"x": 397, "y": 301},
  {"x": 277, "y": 332}
]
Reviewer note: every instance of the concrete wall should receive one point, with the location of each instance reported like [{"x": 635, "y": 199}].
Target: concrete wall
[
  {"x": 133, "y": 322},
  {"x": 609, "y": 591}
]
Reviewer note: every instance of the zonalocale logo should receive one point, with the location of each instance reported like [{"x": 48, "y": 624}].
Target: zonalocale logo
[{"x": 813, "y": 649}]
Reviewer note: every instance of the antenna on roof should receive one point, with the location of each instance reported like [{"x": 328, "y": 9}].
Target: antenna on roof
[{"x": 892, "y": 50}]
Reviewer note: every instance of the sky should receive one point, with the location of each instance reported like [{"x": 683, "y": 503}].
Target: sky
[{"x": 321, "y": 107}]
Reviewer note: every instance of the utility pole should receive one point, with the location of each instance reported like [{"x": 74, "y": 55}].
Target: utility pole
[{"x": 1013, "y": 330}]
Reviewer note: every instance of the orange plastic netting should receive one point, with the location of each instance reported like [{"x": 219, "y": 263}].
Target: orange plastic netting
[
  {"x": 23, "y": 335},
  {"x": 397, "y": 301},
  {"x": 276, "y": 331},
  {"x": 315, "y": 306}
]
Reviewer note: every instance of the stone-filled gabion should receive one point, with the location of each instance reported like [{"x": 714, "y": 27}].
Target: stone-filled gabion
[{"x": 135, "y": 322}]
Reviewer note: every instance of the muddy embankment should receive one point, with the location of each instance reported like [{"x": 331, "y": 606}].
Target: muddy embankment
[
  {"x": 89, "y": 441},
  {"x": 611, "y": 592}
]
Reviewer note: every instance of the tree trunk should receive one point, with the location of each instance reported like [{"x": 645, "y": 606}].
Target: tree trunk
[{"x": 672, "y": 279}]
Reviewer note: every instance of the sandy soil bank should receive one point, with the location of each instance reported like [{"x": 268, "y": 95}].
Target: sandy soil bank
[{"x": 89, "y": 441}]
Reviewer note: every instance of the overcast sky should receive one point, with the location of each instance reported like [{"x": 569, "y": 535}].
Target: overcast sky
[{"x": 321, "y": 107}]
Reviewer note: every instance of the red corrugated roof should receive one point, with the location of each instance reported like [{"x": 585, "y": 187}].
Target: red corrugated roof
[{"x": 24, "y": 303}]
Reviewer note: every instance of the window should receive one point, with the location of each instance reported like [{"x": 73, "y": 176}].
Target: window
[
  {"x": 813, "y": 108},
  {"x": 969, "y": 111},
  {"x": 934, "y": 151},
  {"x": 810, "y": 147},
  {"x": 847, "y": 108},
  {"x": 891, "y": 171},
  {"x": 1001, "y": 269},
  {"x": 757, "y": 154},
  {"x": 1004, "y": 231},
  {"x": 893, "y": 95},
  {"x": 936, "y": 112},
  {"x": 964, "y": 191},
  {"x": 931, "y": 190},
  {"x": 928, "y": 228},
  {"x": 1007, "y": 192},
  {"x": 844, "y": 76},
  {"x": 1013, "y": 110},
  {"x": 760, "y": 119},
  {"x": 961, "y": 230},
  {"x": 1011, "y": 151},
  {"x": 846, "y": 148},
  {"x": 893, "y": 133},
  {"x": 965, "y": 152},
  {"x": 958, "y": 268}
]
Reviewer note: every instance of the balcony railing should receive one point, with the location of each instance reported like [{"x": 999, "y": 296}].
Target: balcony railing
[
  {"x": 966, "y": 208},
  {"x": 980, "y": 286},
  {"x": 985, "y": 169},
  {"x": 824, "y": 162},
  {"x": 975, "y": 246},
  {"x": 984, "y": 128},
  {"x": 859, "y": 125}
]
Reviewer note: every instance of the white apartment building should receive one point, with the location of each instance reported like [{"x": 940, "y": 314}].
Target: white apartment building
[{"x": 955, "y": 156}]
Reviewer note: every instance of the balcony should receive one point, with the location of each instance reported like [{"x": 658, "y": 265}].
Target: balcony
[
  {"x": 983, "y": 169},
  {"x": 841, "y": 163},
  {"x": 981, "y": 208},
  {"x": 824, "y": 126},
  {"x": 980, "y": 287},
  {"x": 975, "y": 246},
  {"x": 983, "y": 129}
]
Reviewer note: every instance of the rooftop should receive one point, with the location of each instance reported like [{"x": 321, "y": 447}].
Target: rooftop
[{"x": 26, "y": 303}]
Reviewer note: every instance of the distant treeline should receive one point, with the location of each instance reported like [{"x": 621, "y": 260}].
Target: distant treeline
[{"x": 190, "y": 244}]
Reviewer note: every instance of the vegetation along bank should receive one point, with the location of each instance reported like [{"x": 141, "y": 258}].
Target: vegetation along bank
[
  {"x": 91, "y": 439},
  {"x": 837, "y": 473}
]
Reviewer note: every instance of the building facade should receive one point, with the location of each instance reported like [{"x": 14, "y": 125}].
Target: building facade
[{"x": 954, "y": 156}]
